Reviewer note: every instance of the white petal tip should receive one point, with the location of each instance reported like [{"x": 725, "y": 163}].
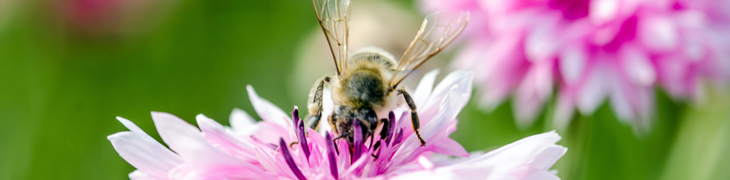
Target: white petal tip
[
  {"x": 157, "y": 115},
  {"x": 204, "y": 121},
  {"x": 252, "y": 95},
  {"x": 162, "y": 119},
  {"x": 200, "y": 118},
  {"x": 117, "y": 135},
  {"x": 124, "y": 121},
  {"x": 250, "y": 90},
  {"x": 552, "y": 135},
  {"x": 238, "y": 113}
]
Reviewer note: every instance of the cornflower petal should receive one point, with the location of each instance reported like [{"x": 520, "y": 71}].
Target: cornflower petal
[
  {"x": 161, "y": 150},
  {"x": 186, "y": 140},
  {"x": 315, "y": 138},
  {"x": 449, "y": 147},
  {"x": 263, "y": 144},
  {"x": 356, "y": 165},
  {"x": 411, "y": 148},
  {"x": 139, "y": 175},
  {"x": 241, "y": 121},
  {"x": 141, "y": 155},
  {"x": 140, "y": 143},
  {"x": 344, "y": 158},
  {"x": 267, "y": 110},
  {"x": 266, "y": 161},
  {"x": 216, "y": 135},
  {"x": 424, "y": 87}
]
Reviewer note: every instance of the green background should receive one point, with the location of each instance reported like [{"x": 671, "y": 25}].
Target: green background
[{"x": 61, "y": 87}]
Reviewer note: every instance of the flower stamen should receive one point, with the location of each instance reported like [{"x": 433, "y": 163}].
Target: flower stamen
[
  {"x": 391, "y": 129},
  {"x": 331, "y": 155},
  {"x": 289, "y": 160},
  {"x": 358, "y": 142},
  {"x": 300, "y": 132},
  {"x": 398, "y": 137}
]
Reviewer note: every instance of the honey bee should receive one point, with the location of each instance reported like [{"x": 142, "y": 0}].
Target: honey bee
[{"x": 366, "y": 84}]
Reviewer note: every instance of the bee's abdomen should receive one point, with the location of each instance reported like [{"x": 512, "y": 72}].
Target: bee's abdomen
[{"x": 364, "y": 88}]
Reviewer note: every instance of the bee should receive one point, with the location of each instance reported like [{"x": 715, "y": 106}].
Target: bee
[{"x": 366, "y": 84}]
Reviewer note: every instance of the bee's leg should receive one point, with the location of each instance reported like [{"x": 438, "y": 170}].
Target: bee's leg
[
  {"x": 334, "y": 141},
  {"x": 414, "y": 115},
  {"x": 383, "y": 132},
  {"x": 340, "y": 136},
  {"x": 314, "y": 104},
  {"x": 386, "y": 127}
]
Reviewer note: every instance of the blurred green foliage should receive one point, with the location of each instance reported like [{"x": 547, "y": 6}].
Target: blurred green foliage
[{"x": 60, "y": 89}]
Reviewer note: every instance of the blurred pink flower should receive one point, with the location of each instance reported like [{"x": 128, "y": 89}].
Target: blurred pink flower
[
  {"x": 110, "y": 17},
  {"x": 261, "y": 150},
  {"x": 592, "y": 50}
]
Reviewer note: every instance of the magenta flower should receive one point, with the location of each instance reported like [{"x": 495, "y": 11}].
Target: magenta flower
[
  {"x": 592, "y": 50},
  {"x": 109, "y": 17},
  {"x": 281, "y": 147}
]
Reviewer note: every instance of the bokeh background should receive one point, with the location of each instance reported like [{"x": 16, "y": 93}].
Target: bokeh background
[{"x": 68, "y": 67}]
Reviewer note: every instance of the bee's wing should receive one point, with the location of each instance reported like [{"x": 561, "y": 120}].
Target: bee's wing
[
  {"x": 334, "y": 19},
  {"x": 437, "y": 31}
]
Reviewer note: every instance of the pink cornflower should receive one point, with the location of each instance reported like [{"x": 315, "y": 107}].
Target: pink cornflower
[
  {"x": 110, "y": 17},
  {"x": 590, "y": 51},
  {"x": 282, "y": 147}
]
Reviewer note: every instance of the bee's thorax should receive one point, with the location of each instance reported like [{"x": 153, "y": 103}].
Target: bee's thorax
[
  {"x": 362, "y": 87},
  {"x": 372, "y": 55},
  {"x": 365, "y": 82}
]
